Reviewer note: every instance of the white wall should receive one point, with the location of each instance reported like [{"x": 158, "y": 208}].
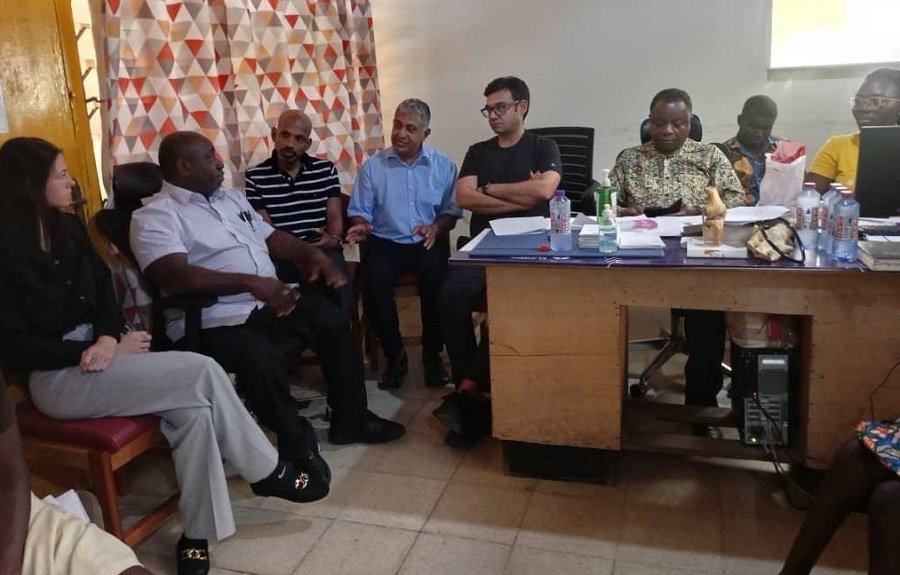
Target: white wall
[{"x": 597, "y": 63}]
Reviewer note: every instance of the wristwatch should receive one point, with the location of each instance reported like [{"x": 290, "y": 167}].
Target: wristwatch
[{"x": 486, "y": 188}]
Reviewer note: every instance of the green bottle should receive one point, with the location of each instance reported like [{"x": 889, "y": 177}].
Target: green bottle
[{"x": 603, "y": 195}]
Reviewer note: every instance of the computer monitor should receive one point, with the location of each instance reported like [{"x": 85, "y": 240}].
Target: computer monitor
[{"x": 878, "y": 173}]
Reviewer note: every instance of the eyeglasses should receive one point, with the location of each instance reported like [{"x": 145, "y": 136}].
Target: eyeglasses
[
  {"x": 499, "y": 109},
  {"x": 871, "y": 102}
]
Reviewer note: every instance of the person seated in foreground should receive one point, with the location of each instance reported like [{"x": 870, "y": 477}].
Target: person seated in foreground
[
  {"x": 747, "y": 150},
  {"x": 404, "y": 206},
  {"x": 864, "y": 472},
  {"x": 513, "y": 174},
  {"x": 670, "y": 174},
  {"x": 62, "y": 328},
  {"x": 301, "y": 195},
  {"x": 195, "y": 237},
  {"x": 39, "y": 539},
  {"x": 876, "y": 103}
]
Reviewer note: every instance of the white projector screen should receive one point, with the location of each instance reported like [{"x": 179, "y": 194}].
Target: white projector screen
[{"x": 834, "y": 32}]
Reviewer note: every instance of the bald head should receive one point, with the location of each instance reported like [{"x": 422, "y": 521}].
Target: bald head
[
  {"x": 291, "y": 138},
  {"x": 189, "y": 160},
  {"x": 290, "y": 117}
]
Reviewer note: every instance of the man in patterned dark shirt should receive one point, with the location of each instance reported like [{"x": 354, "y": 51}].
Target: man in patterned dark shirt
[
  {"x": 672, "y": 168},
  {"x": 671, "y": 173}
]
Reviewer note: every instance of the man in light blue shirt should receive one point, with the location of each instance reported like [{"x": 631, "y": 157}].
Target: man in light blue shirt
[{"x": 404, "y": 206}]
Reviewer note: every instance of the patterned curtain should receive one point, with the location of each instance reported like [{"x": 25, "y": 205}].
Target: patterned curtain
[{"x": 228, "y": 68}]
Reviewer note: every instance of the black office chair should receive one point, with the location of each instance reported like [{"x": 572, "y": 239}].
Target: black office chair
[
  {"x": 576, "y": 150},
  {"x": 132, "y": 183}
]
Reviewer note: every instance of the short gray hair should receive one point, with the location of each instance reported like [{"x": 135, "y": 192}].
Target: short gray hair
[{"x": 419, "y": 107}]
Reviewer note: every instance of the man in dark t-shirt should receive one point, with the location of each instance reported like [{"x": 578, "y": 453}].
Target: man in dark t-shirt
[{"x": 513, "y": 174}]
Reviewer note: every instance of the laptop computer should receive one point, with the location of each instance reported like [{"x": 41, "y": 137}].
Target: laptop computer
[{"x": 878, "y": 173}]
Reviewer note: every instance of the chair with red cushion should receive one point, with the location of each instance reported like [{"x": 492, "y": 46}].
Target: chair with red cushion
[{"x": 99, "y": 447}]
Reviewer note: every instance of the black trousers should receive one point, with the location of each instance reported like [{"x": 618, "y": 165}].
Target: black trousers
[
  {"x": 259, "y": 353},
  {"x": 462, "y": 293},
  {"x": 343, "y": 296},
  {"x": 704, "y": 331},
  {"x": 383, "y": 263}
]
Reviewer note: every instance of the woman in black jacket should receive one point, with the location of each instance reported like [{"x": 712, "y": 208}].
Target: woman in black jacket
[{"x": 61, "y": 325}]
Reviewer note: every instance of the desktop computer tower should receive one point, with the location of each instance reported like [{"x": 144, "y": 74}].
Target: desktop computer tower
[{"x": 763, "y": 385}]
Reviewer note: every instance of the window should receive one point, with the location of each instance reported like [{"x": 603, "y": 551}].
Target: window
[{"x": 834, "y": 32}]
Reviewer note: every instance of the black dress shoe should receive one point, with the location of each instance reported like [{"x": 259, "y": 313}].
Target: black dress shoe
[
  {"x": 709, "y": 431},
  {"x": 192, "y": 556},
  {"x": 465, "y": 415},
  {"x": 366, "y": 429},
  {"x": 290, "y": 483},
  {"x": 460, "y": 441},
  {"x": 435, "y": 373},
  {"x": 395, "y": 373},
  {"x": 312, "y": 461},
  {"x": 452, "y": 411}
]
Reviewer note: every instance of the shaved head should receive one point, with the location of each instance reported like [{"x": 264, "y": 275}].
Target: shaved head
[
  {"x": 292, "y": 117},
  {"x": 291, "y": 137}
]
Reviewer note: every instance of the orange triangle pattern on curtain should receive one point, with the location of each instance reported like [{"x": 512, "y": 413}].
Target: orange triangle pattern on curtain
[{"x": 228, "y": 68}]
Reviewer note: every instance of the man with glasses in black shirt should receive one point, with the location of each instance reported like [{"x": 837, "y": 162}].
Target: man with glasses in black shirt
[{"x": 514, "y": 174}]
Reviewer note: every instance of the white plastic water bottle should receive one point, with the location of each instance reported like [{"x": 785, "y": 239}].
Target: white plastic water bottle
[
  {"x": 806, "y": 216},
  {"x": 846, "y": 227},
  {"x": 560, "y": 223},
  {"x": 826, "y": 217},
  {"x": 609, "y": 233}
]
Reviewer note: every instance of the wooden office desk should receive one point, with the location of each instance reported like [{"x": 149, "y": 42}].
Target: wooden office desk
[{"x": 558, "y": 340}]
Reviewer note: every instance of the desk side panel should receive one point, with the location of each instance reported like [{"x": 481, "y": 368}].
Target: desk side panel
[{"x": 557, "y": 365}]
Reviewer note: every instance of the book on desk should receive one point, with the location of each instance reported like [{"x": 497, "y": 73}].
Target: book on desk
[{"x": 880, "y": 256}]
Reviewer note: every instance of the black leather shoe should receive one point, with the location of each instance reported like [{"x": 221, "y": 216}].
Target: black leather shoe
[
  {"x": 290, "y": 483},
  {"x": 192, "y": 556},
  {"x": 395, "y": 373},
  {"x": 435, "y": 373},
  {"x": 465, "y": 415},
  {"x": 452, "y": 411},
  {"x": 366, "y": 429},
  {"x": 312, "y": 462},
  {"x": 709, "y": 431},
  {"x": 460, "y": 441}
]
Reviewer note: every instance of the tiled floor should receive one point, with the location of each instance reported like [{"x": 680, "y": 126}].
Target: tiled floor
[{"x": 417, "y": 506}]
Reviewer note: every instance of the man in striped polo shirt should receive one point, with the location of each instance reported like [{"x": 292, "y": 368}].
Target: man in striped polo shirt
[{"x": 300, "y": 194}]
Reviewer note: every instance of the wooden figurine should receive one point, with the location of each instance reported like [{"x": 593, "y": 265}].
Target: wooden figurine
[{"x": 713, "y": 217}]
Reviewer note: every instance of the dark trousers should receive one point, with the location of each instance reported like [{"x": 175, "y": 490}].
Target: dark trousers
[
  {"x": 383, "y": 263},
  {"x": 343, "y": 296},
  {"x": 462, "y": 293},
  {"x": 259, "y": 353},
  {"x": 704, "y": 331}
]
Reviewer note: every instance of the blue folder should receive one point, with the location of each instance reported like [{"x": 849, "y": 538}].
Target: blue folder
[{"x": 529, "y": 244}]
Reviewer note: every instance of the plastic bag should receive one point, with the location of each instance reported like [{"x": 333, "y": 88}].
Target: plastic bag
[
  {"x": 762, "y": 330},
  {"x": 774, "y": 239},
  {"x": 783, "y": 182}
]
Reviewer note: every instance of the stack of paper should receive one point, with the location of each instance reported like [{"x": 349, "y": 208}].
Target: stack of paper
[
  {"x": 513, "y": 226},
  {"x": 697, "y": 248},
  {"x": 639, "y": 240},
  {"x": 880, "y": 256},
  {"x": 589, "y": 237}
]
